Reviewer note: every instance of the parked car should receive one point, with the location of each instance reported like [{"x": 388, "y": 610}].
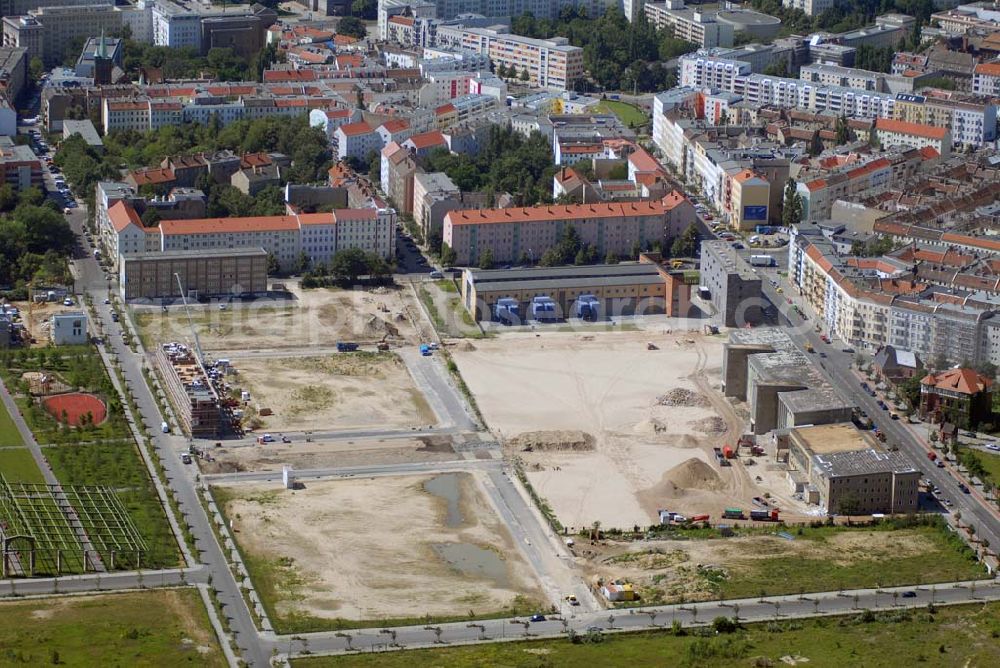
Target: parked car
[
  {"x": 537, "y": 618},
  {"x": 436, "y": 274},
  {"x": 909, "y": 594}
]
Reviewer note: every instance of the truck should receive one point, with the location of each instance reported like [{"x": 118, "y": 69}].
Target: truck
[
  {"x": 809, "y": 348},
  {"x": 425, "y": 350},
  {"x": 165, "y": 428},
  {"x": 764, "y": 515},
  {"x": 762, "y": 261},
  {"x": 733, "y": 514},
  {"x": 507, "y": 311},
  {"x": 728, "y": 452},
  {"x": 587, "y": 307},
  {"x": 543, "y": 308},
  {"x": 720, "y": 458},
  {"x": 764, "y": 229},
  {"x": 346, "y": 347}
]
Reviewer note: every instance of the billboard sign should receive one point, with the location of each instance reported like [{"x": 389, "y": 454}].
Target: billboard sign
[{"x": 754, "y": 212}]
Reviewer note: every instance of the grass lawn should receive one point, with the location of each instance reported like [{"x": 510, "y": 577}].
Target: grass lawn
[
  {"x": 955, "y": 636},
  {"x": 628, "y": 114},
  {"x": 950, "y": 559},
  {"x": 9, "y": 435},
  {"x": 19, "y": 466},
  {"x": 991, "y": 463},
  {"x": 155, "y": 628},
  {"x": 119, "y": 465}
]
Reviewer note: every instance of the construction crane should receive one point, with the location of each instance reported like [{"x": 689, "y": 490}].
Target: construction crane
[{"x": 194, "y": 332}]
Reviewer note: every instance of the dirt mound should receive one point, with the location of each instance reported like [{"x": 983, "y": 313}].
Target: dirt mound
[
  {"x": 709, "y": 425},
  {"x": 376, "y": 327},
  {"x": 693, "y": 474},
  {"x": 680, "y": 396},
  {"x": 465, "y": 347},
  {"x": 550, "y": 441}
]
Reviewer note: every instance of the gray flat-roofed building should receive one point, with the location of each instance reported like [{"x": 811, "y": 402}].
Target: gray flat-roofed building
[
  {"x": 229, "y": 272},
  {"x": 623, "y": 289},
  {"x": 850, "y": 471},
  {"x": 733, "y": 286},
  {"x": 86, "y": 130},
  {"x": 780, "y": 385}
]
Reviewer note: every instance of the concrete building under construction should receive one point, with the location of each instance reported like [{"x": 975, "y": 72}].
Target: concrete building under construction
[
  {"x": 780, "y": 385},
  {"x": 195, "y": 401}
]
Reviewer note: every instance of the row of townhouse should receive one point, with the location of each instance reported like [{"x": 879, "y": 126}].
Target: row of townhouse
[
  {"x": 512, "y": 233},
  {"x": 146, "y": 114},
  {"x": 745, "y": 184},
  {"x": 856, "y": 176},
  {"x": 970, "y": 121},
  {"x": 872, "y": 302},
  {"x": 318, "y": 235}
]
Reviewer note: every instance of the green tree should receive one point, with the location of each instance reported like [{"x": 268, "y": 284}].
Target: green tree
[
  {"x": 36, "y": 68},
  {"x": 347, "y": 265},
  {"x": 365, "y": 9},
  {"x": 273, "y": 266},
  {"x": 791, "y": 211},
  {"x": 486, "y": 259},
  {"x": 843, "y": 131},
  {"x": 686, "y": 245},
  {"x": 8, "y": 198},
  {"x": 524, "y": 76},
  {"x": 815, "y": 144},
  {"x": 150, "y": 217},
  {"x": 611, "y": 258},
  {"x": 352, "y": 27},
  {"x": 448, "y": 256}
]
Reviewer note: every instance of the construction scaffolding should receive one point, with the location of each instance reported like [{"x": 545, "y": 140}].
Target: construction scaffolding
[{"x": 37, "y": 536}]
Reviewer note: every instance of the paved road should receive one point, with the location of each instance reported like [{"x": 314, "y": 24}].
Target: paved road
[
  {"x": 838, "y": 368},
  {"x": 375, "y": 470},
  {"x": 180, "y": 478},
  {"x": 434, "y": 382},
  {"x": 747, "y": 610}
]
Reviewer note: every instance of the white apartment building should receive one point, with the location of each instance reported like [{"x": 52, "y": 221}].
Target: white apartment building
[
  {"x": 915, "y": 135},
  {"x": 704, "y": 71},
  {"x": 810, "y": 7},
  {"x": 318, "y": 235},
  {"x": 550, "y": 63},
  {"x": 126, "y": 235},
  {"x": 331, "y": 119},
  {"x": 356, "y": 140},
  {"x": 986, "y": 79},
  {"x": 692, "y": 25}
]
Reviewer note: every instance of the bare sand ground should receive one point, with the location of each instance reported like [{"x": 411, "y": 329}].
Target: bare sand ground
[
  {"x": 318, "y": 317},
  {"x": 365, "y": 549},
  {"x": 331, "y": 454},
  {"x": 676, "y": 568},
  {"x": 645, "y": 456},
  {"x": 333, "y": 392},
  {"x": 37, "y": 318}
]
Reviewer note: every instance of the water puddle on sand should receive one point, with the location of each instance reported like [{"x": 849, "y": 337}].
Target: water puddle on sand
[
  {"x": 445, "y": 486},
  {"x": 474, "y": 561}
]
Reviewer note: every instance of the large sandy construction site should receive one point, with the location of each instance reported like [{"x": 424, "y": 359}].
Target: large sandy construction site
[
  {"x": 387, "y": 547},
  {"x": 610, "y": 430},
  {"x": 332, "y": 453},
  {"x": 319, "y": 318},
  {"x": 334, "y": 391}
]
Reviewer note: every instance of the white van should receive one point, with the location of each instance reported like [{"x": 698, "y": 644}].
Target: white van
[{"x": 165, "y": 428}]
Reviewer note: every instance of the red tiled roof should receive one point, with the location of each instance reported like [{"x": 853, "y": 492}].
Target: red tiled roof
[
  {"x": 989, "y": 69},
  {"x": 155, "y": 176},
  {"x": 427, "y": 139},
  {"x": 536, "y": 214},
  {"x": 228, "y": 225},
  {"x": 905, "y": 128},
  {"x": 964, "y": 381},
  {"x": 396, "y": 125},
  {"x": 355, "y": 129},
  {"x": 122, "y": 215}
]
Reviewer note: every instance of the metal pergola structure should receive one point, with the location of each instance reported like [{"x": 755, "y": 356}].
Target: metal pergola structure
[{"x": 41, "y": 524}]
